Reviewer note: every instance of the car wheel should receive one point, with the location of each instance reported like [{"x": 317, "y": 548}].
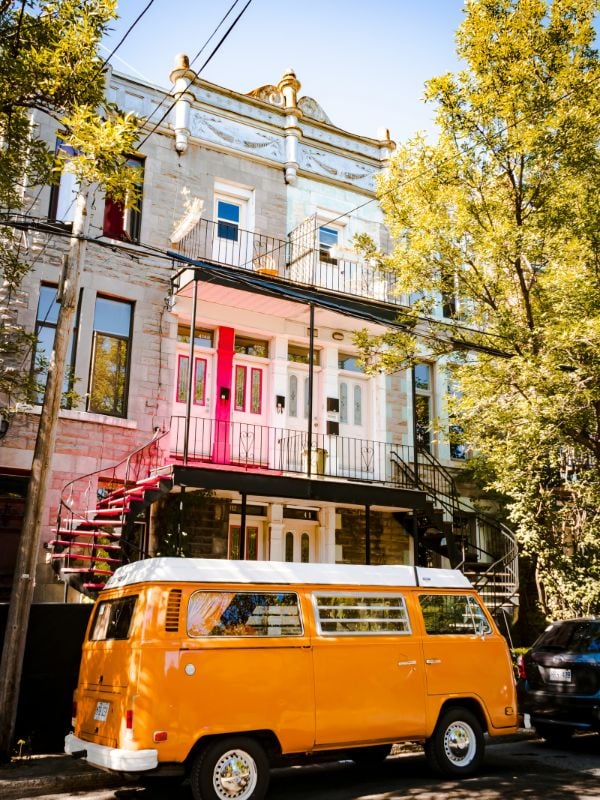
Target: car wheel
[
  {"x": 370, "y": 756},
  {"x": 557, "y": 735},
  {"x": 457, "y": 746},
  {"x": 234, "y": 768}
]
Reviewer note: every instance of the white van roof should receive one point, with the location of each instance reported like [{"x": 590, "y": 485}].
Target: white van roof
[{"x": 214, "y": 570}]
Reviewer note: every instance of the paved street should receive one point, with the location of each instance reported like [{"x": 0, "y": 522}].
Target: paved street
[{"x": 528, "y": 770}]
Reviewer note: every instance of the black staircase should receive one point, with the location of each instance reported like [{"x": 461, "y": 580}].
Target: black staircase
[{"x": 476, "y": 543}]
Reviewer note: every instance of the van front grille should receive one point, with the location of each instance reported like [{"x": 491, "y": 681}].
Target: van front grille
[{"x": 173, "y": 609}]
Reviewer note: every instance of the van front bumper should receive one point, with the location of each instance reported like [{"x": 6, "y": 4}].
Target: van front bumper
[{"x": 110, "y": 757}]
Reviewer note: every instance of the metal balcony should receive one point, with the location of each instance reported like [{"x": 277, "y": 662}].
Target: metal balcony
[
  {"x": 244, "y": 446},
  {"x": 296, "y": 260}
]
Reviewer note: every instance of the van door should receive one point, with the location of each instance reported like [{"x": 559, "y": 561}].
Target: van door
[
  {"x": 464, "y": 656},
  {"x": 247, "y": 665},
  {"x": 369, "y": 681},
  {"x": 107, "y": 672}
]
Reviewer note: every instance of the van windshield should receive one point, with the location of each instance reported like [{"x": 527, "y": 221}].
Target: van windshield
[{"x": 113, "y": 619}]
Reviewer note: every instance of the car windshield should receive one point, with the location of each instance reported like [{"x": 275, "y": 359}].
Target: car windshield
[{"x": 576, "y": 636}]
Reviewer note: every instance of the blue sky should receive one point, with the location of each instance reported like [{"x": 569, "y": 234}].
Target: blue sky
[{"x": 364, "y": 61}]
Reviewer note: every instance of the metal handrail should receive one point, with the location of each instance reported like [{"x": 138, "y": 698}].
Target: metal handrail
[{"x": 286, "y": 450}]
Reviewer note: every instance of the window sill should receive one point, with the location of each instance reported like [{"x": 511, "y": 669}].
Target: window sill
[{"x": 83, "y": 416}]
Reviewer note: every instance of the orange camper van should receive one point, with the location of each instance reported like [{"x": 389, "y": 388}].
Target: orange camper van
[{"x": 219, "y": 669}]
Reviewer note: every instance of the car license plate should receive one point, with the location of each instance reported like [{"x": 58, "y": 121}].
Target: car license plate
[
  {"x": 559, "y": 675},
  {"x": 101, "y": 712}
]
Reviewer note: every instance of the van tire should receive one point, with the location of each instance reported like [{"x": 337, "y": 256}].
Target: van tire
[
  {"x": 457, "y": 745},
  {"x": 211, "y": 767}
]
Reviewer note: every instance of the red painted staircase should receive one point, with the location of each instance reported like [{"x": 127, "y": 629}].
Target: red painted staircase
[{"x": 110, "y": 530}]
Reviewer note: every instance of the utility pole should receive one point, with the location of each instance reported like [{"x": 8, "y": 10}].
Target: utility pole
[{"x": 21, "y": 598}]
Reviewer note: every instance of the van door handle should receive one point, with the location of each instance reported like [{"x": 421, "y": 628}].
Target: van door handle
[
  {"x": 433, "y": 661},
  {"x": 407, "y": 663}
]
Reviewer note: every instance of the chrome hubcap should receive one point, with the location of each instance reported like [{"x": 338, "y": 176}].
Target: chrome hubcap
[
  {"x": 460, "y": 744},
  {"x": 235, "y": 775}
]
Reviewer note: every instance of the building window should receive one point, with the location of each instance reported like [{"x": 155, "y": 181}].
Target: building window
[
  {"x": 343, "y": 402},
  {"x": 64, "y": 194},
  {"x": 301, "y": 355},
  {"x": 328, "y": 239},
  {"x": 110, "y": 357},
  {"x": 305, "y": 548},
  {"x": 423, "y": 404},
  {"x": 199, "y": 396},
  {"x": 251, "y": 347},
  {"x": 293, "y": 406},
  {"x": 45, "y": 331},
  {"x": 228, "y": 220},
  {"x": 202, "y": 338},
  {"x": 289, "y": 546},
  {"x": 251, "y": 542},
  {"x": 255, "y": 391},
  {"x": 306, "y": 397},
  {"x": 350, "y": 363},
  {"x": 357, "y": 405},
  {"x": 240, "y": 389},
  {"x": 120, "y": 222}
]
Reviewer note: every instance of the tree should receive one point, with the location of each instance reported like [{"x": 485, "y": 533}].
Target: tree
[
  {"x": 497, "y": 221},
  {"x": 48, "y": 62},
  {"x": 49, "y": 51}
]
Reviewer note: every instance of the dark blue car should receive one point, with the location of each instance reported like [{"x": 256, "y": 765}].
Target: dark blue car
[{"x": 559, "y": 680}]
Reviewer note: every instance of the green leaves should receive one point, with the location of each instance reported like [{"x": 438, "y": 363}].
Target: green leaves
[{"x": 502, "y": 211}]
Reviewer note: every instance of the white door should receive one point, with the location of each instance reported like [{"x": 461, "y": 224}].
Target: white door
[
  {"x": 299, "y": 541},
  {"x": 232, "y": 243},
  {"x": 355, "y": 452},
  {"x": 295, "y": 444},
  {"x": 250, "y": 434},
  {"x": 200, "y": 431}
]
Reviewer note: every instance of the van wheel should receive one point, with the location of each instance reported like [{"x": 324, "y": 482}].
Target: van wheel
[
  {"x": 370, "y": 756},
  {"x": 457, "y": 745},
  {"x": 235, "y": 768}
]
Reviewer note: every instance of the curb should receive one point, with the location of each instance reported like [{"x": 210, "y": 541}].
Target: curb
[{"x": 21, "y": 783}]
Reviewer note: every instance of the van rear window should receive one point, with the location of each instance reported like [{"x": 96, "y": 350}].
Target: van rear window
[
  {"x": 244, "y": 614},
  {"x": 361, "y": 613},
  {"x": 453, "y": 614},
  {"x": 113, "y": 619}
]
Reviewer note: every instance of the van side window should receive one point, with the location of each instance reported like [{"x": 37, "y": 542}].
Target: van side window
[
  {"x": 354, "y": 613},
  {"x": 113, "y": 619},
  {"x": 244, "y": 614},
  {"x": 453, "y": 614}
]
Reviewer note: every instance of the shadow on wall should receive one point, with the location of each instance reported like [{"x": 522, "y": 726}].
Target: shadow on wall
[{"x": 50, "y": 670}]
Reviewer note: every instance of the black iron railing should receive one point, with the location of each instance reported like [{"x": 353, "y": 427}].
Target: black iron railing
[
  {"x": 282, "y": 450},
  {"x": 297, "y": 259}
]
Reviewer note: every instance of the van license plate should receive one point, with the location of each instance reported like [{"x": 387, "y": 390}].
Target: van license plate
[
  {"x": 560, "y": 675},
  {"x": 101, "y": 712}
]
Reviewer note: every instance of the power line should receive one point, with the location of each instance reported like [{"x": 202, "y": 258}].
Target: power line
[{"x": 196, "y": 74}]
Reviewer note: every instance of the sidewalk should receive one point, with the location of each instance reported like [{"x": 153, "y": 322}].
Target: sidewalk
[
  {"x": 59, "y": 773},
  {"x": 51, "y": 774}
]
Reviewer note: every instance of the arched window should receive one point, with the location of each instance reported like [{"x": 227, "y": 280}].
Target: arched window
[
  {"x": 289, "y": 546},
  {"x": 305, "y": 548}
]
